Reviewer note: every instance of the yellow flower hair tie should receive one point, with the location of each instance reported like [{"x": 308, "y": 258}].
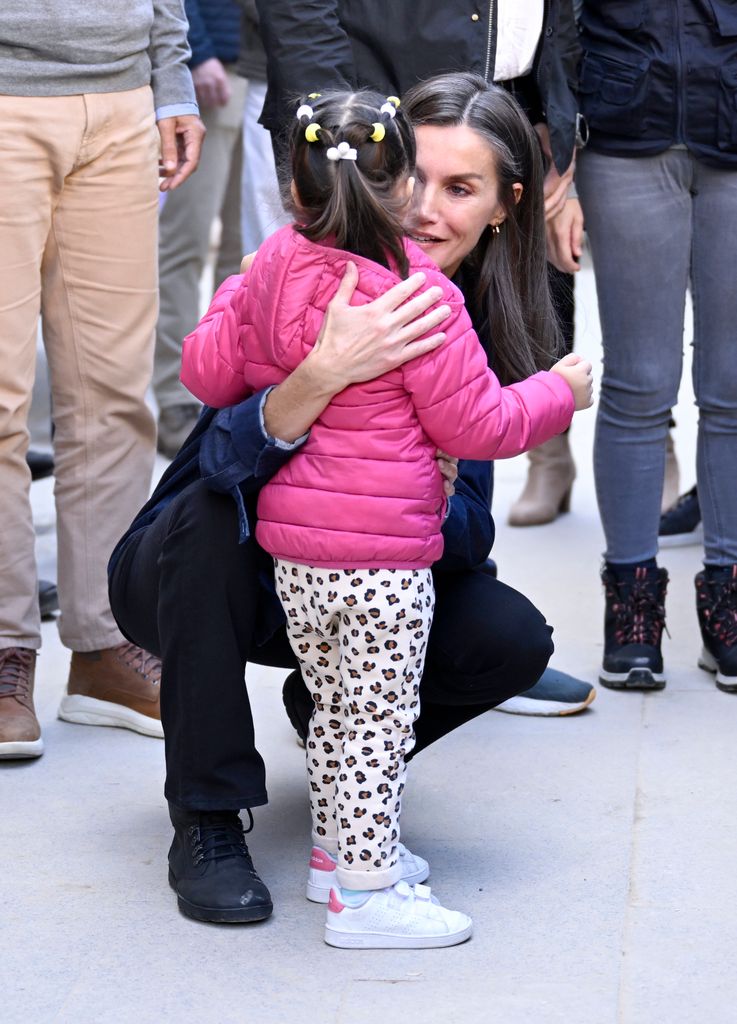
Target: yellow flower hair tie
[
  {"x": 395, "y": 100},
  {"x": 311, "y": 131},
  {"x": 378, "y": 133}
]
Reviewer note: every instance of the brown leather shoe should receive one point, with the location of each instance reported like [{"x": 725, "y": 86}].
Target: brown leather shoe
[
  {"x": 20, "y": 733},
  {"x": 118, "y": 686}
]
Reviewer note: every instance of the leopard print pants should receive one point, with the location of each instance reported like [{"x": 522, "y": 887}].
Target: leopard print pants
[{"x": 360, "y": 636}]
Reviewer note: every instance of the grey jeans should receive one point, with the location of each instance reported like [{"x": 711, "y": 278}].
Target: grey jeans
[{"x": 657, "y": 224}]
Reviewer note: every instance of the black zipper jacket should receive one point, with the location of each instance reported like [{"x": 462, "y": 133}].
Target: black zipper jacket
[
  {"x": 658, "y": 73},
  {"x": 391, "y": 44}
]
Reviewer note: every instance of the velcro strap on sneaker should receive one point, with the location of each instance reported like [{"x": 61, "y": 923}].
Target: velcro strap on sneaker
[{"x": 422, "y": 892}]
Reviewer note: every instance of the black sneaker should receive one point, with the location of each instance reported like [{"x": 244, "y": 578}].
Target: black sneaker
[
  {"x": 211, "y": 870},
  {"x": 48, "y": 599},
  {"x": 633, "y": 628},
  {"x": 681, "y": 523},
  {"x": 716, "y": 606}
]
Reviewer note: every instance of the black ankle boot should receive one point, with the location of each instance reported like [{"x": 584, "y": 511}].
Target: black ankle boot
[
  {"x": 211, "y": 870},
  {"x": 716, "y": 606},
  {"x": 633, "y": 628},
  {"x": 298, "y": 704}
]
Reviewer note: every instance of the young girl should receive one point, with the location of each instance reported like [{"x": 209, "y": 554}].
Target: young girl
[{"x": 353, "y": 521}]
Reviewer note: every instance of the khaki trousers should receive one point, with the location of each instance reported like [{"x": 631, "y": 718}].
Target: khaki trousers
[
  {"x": 184, "y": 239},
  {"x": 78, "y": 211}
]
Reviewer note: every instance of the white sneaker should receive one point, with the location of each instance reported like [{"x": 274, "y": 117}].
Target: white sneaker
[
  {"x": 321, "y": 878},
  {"x": 400, "y": 917}
]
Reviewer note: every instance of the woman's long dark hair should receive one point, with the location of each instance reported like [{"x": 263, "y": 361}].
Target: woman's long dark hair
[
  {"x": 509, "y": 270},
  {"x": 354, "y": 203}
]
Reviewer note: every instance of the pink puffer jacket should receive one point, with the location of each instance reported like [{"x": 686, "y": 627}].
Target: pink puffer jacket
[{"x": 364, "y": 490}]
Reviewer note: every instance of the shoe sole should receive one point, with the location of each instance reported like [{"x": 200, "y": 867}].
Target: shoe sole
[
  {"x": 216, "y": 915},
  {"x": 682, "y": 540},
  {"x": 635, "y": 679},
  {"x": 83, "y": 710},
  {"x": 17, "y": 749},
  {"x": 320, "y": 894},
  {"x": 368, "y": 940},
  {"x": 543, "y": 708},
  {"x": 707, "y": 661}
]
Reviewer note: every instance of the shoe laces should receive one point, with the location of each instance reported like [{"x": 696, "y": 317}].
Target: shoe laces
[
  {"x": 145, "y": 664},
  {"x": 16, "y": 666},
  {"x": 638, "y": 609},
  {"x": 218, "y": 836},
  {"x": 718, "y": 600}
]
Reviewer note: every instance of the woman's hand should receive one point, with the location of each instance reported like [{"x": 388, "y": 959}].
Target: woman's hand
[
  {"x": 355, "y": 344},
  {"x": 448, "y": 467},
  {"x": 247, "y": 261},
  {"x": 359, "y": 343},
  {"x": 555, "y": 185},
  {"x": 565, "y": 237},
  {"x": 576, "y": 372}
]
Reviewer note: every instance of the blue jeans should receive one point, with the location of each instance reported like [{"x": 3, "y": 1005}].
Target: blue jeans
[{"x": 657, "y": 224}]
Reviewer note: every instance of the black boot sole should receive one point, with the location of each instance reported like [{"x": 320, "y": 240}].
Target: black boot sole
[
  {"x": 635, "y": 679},
  {"x": 218, "y": 915},
  {"x": 707, "y": 661}
]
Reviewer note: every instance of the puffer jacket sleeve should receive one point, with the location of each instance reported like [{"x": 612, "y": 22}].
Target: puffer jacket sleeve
[
  {"x": 464, "y": 409},
  {"x": 212, "y": 355}
]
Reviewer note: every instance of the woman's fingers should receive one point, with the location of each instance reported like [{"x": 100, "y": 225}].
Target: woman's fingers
[
  {"x": 422, "y": 324},
  {"x": 347, "y": 286},
  {"x": 399, "y": 294},
  {"x": 247, "y": 261}
]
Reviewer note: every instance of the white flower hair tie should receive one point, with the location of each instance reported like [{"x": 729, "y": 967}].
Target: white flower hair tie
[
  {"x": 305, "y": 111},
  {"x": 388, "y": 108},
  {"x": 342, "y": 152}
]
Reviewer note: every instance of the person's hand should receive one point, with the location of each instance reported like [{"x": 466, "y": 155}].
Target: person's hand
[
  {"x": 576, "y": 372},
  {"x": 448, "y": 467},
  {"x": 359, "y": 343},
  {"x": 565, "y": 237},
  {"x": 247, "y": 261},
  {"x": 181, "y": 142},
  {"x": 555, "y": 185},
  {"x": 211, "y": 84}
]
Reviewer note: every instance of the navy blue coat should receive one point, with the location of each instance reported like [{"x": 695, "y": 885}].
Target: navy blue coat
[
  {"x": 214, "y": 30},
  {"x": 657, "y": 73}
]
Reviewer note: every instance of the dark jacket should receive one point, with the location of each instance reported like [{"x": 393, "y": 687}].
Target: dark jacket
[
  {"x": 214, "y": 30},
  {"x": 252, "y": 57},
  {"x": 391, "y": 44},
  {"x": 658, "y": 73}
]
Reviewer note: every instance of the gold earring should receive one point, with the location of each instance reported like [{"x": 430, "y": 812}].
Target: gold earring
[{"x": 495, "y": 229}]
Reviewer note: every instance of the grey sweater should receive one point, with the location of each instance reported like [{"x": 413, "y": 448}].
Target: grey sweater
[{"x": 66, "y": 47}]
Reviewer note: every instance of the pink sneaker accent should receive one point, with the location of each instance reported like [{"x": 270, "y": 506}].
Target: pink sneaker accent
[
  {"x": 320, "y": 860},
  {"x": 334, "y": 904}
]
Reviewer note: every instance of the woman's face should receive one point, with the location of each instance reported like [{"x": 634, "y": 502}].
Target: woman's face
[{"x": 456, "y": 193}]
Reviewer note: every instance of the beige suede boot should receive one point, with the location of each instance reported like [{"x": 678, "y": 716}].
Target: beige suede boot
[{"x": 547, "y": 492}]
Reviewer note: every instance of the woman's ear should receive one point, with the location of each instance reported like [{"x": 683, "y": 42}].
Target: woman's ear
[{"x": 517, "y": 190}]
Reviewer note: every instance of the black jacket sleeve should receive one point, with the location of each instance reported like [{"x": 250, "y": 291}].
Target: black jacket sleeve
[{"x": 307, "y": 49}]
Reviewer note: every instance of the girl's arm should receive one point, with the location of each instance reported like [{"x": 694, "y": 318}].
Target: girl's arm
[
  {"x": 212, "y": 355},
  {"x": 356, "y": 343},
  {"x": 464, "y": 409}
]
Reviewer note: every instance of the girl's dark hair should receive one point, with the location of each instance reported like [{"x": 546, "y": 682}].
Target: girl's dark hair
[
  {"x": 510, "y": 268},
  {"x": 354, "y": 203}
]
